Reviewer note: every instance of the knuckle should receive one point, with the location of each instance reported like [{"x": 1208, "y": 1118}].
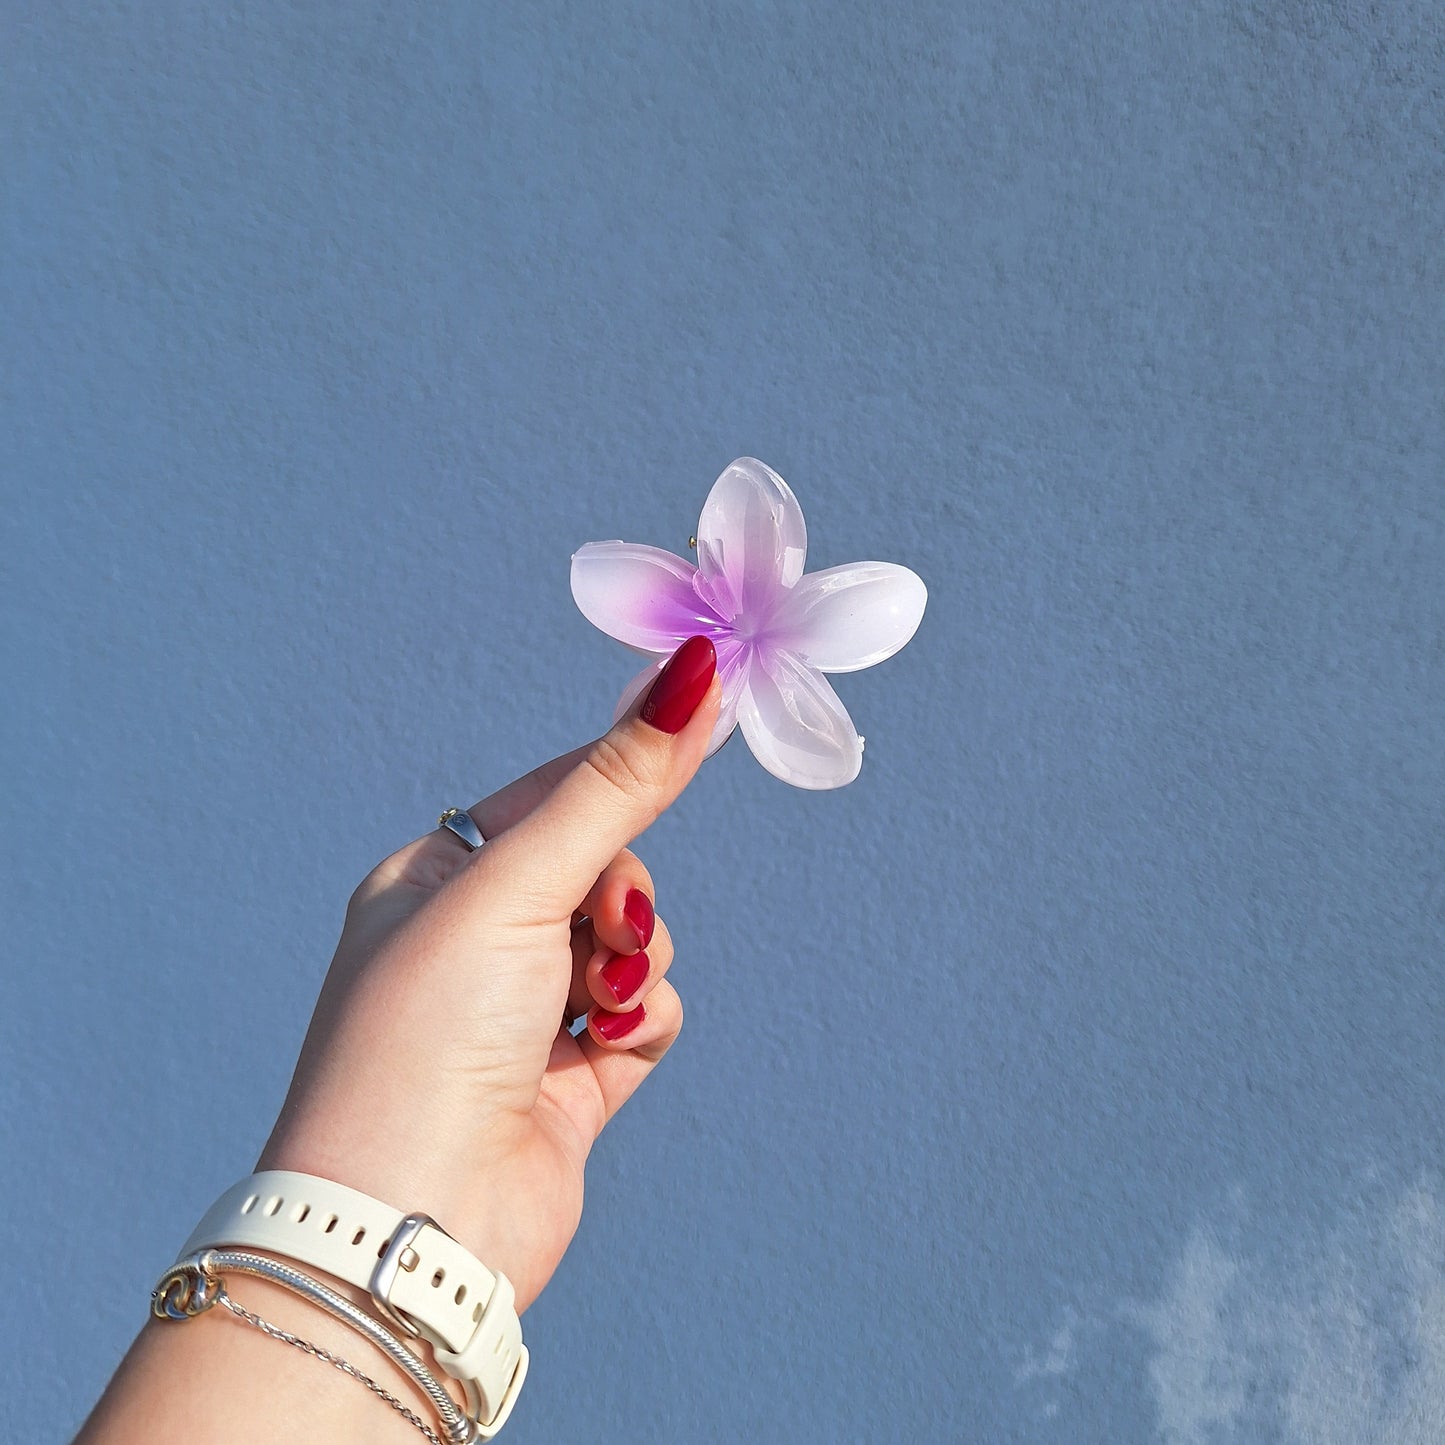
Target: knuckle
[
  {"x": 628, "y": 767},
  {"x": 639, "y": 874},
  {"x": 660, "y": 949},
  {"x": 366, "y": 890},
  {"x": 666, "y": 1008},
  {"x": 671, "y": 1013}
]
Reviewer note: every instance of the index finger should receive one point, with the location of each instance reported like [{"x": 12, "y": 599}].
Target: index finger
[{"x": 512, "y": 803}]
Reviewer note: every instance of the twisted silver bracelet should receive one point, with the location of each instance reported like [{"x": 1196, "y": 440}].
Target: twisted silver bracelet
[{"x": 194, "y": 1284}]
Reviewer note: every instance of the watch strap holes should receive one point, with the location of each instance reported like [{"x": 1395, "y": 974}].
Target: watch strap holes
[
  {"x": 250, "y": 1204},
  {"x": 460, "y": 1295},
  {"x": 300, "y": 1212},
  {"x": 273, "y": 1204},
  {"x": 437, "y": 1278},
  {"x": 359, "y": 1235},
  {"x": 330, "y": 1224}
]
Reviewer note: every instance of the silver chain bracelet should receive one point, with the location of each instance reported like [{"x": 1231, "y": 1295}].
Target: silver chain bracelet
[
  {"x": 194, "y": 1284},
  {"x": 345, "y": 1366}
]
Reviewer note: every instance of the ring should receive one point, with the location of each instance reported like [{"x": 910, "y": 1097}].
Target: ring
[{"x": 462, "y": 824}]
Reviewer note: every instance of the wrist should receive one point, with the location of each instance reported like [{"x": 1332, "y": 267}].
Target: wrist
[
  {"x": 403, "y": 1183},
  {"x": 246, "y": 1386},
  {"x": 491, "y": 1197}
]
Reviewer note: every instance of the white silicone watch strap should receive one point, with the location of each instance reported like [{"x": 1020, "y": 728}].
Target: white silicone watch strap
[{"x": 460, "y": 1307}]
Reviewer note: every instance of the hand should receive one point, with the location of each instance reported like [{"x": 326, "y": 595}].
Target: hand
[{"x": 438, "y": 1073}]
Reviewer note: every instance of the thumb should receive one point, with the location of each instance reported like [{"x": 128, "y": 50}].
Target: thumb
[{"x": 545, "y": 864}]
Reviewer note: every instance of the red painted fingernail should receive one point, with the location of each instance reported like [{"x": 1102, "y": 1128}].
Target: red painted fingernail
[
  {"x": 637, "y": 910},
  {"x": 624, "y": 975},
  {"x": 681, "y": 685},
  {"x": 617, "y": 1026}
]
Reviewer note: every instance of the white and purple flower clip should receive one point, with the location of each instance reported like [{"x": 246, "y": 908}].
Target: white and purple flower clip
[{"x": 776, "y": 629}]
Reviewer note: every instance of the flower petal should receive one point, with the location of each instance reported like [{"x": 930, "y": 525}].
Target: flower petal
[
  {"x": 637, "y": 687},
  {"x": 727, "y": 718},
  {"x": 732, "y": 666},
  {"x": 846, "y": 618},
  {"x": 642, "y": 596},
  {"x": 751, "y": 541},
  {"x": 796, "y": 726}
]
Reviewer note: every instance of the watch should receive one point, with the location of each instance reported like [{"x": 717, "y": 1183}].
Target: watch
[{"x": 418, "y": 1276}]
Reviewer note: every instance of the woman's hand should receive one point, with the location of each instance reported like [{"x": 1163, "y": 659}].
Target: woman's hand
[{"x": 439, "y": 1073}]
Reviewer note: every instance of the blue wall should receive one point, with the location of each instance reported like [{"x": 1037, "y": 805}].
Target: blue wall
[{"x": 1035, "y": 1085}]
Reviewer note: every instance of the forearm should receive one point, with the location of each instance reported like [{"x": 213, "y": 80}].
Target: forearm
[{"x": 221, "y": 1377}]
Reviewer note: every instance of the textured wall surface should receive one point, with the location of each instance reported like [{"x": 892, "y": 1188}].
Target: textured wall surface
[{"x": 1075, "y": 1074}]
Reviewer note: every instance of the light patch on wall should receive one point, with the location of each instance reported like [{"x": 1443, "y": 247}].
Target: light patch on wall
[
  {"x": 1342, "y": 1343},
  {"x": 1047, "y": 1368},
  {"x": 1056, "y": 1360}
]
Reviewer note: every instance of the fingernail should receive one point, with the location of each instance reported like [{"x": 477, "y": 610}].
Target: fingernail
[
  {"x": 617, "y": 1026},
  {"x": 681, "y": 685},
  {"x": 637, "y": 910},
  {"x": 624, "y": 975}
]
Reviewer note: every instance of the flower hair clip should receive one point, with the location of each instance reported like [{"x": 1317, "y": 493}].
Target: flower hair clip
[{"x": 776, "y": 630}]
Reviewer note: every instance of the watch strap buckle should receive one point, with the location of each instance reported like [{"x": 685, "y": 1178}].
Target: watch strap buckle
[{"x": 400, "y": 1254}]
